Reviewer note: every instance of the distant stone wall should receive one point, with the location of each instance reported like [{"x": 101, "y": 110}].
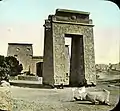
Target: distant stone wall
[
  {"x": 28, "y": 78},
  {"x": 116, "y": 67},
  {"x": 67, "y": 65},
  {"x": 24, "y": 77},
  {"x": 35, "y": 60},
  {"x": 101, "y": 67},
  {"x": 23, "y": 52}
]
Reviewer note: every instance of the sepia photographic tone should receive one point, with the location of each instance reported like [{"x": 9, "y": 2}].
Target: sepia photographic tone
[{"x": 62, "y": 63}]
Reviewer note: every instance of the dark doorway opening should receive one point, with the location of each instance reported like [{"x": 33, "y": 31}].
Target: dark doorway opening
[
  {"x": 39, "y": 69},
  {"x": 77, "y": 70}
]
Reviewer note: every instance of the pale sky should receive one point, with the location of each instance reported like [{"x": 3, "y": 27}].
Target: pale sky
[{"x": 23, "y": 20}]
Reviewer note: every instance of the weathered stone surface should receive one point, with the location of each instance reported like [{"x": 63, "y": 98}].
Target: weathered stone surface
[
  {"x": 85, "y": 60},
  {"x": 79, "y": 93},
  {"x": 89, "y": 61},
  {"x": 48, "y": 64},
  {"x": 67, "y": 64},
  {"x": 102, "y": 97},
  {"x": 5, "y": 84},
  {"x": 24, "y": 54},
  {"x": 71, "y": 16},
  {"x": 5, "y": 99}
]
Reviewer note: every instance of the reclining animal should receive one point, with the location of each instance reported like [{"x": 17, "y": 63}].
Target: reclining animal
[{"x": 100, "y": 97}]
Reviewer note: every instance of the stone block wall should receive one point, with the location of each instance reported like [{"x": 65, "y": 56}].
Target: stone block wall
[
  {"x": 60, "y": 29},
  {"x": 67, "y": 65},
  {"x": 23, "y": 52},
  {"x": 35, "y": 60},
  {"x": 73, "y": 23}
]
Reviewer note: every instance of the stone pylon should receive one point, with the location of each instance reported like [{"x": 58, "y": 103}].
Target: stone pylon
[{"x": 77, "y": 26}]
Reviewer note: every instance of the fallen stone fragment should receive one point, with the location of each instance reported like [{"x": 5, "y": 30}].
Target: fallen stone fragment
[
  {"x": 5, "y": 83},
  {"x": 5, "y": 99}
]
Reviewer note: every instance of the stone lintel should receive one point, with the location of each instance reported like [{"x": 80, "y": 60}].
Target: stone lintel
[
  {"x": 66, "y": 45},
  {"x": 20, "y": 44},
  {"x": 71, "y": 11},
  {"x": 72, "y": 23}
]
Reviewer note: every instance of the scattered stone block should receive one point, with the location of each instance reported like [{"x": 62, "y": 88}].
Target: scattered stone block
[
  {"x": 5, "y": 99},
  {"x": 5, "y": 83},
  {"x": 100, "y": 97}
]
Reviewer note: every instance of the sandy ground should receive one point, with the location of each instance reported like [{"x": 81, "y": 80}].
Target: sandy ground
[
  {"x": 34, "y": 99},
  {"x": 39, "y": 99}
]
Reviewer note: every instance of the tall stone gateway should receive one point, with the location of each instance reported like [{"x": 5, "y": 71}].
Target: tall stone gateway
[{"x": 77, "y": 26}]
